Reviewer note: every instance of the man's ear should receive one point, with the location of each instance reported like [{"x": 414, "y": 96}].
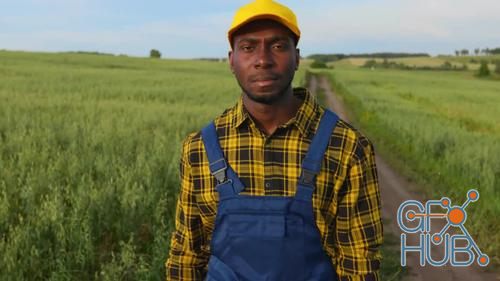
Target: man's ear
[
  {"x": 297, "y": 58},
  {"x": 230, "y": 59}
]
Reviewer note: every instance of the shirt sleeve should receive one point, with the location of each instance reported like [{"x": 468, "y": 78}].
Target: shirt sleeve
[
  {"x": 187, "y": 258},
  {"x": 359, "y": 226}
]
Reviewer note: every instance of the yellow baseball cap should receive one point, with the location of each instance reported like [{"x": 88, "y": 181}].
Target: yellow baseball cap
[{"x": 264, "y": 9}]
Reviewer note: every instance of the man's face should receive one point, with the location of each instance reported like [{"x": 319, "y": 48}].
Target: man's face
[{"x": 264, "y": 60}]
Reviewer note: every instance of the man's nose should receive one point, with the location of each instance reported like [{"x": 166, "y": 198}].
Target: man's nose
[{"x": 264, "y": 57}]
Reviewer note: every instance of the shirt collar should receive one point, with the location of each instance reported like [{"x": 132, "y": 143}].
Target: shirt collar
[
  {"x": 308, "y": 112},
  {"x": 240, "y": 114}
]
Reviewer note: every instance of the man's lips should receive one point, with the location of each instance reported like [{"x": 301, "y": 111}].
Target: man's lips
[
  {"x": 263, "y": 77},
  {"x": 264, "y": 81}
]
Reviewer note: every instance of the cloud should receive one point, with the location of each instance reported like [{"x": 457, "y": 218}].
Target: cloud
[
  {"x": 327, "y": 26},
  {"x": 397, "y": 21},
  {"x": 194, "y": 36}
]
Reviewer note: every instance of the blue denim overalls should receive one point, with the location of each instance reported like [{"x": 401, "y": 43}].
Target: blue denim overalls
[{"x": 270, "y": 238}]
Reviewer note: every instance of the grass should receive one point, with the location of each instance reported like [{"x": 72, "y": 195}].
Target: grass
[
  {"x": 89, "y": 149},
  {"x": 473, "y": 62},
  {"x": 89, "y": 155},
  {"x": 410, "y": 61},
  {"x": 467, "y": 59},
  {"x": 391, "y": 269},
  {"x": 441, "y": 128},
  {"x": 425, "y": 61}
]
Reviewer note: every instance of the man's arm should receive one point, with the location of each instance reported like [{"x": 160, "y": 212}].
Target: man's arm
[
  {"x": 187, "y": 259},
  {"x": 359, "y": 226}
]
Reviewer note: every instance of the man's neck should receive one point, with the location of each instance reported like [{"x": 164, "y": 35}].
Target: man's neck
[{"x": 268, "y": 117}]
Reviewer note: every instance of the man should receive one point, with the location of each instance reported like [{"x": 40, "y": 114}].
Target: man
[{"x": 276, "y": 188}]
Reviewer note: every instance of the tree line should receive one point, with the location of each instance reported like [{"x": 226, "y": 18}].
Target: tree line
[
  {"x": 478, "y": 51},
  {"x": 387, "y": 55}
]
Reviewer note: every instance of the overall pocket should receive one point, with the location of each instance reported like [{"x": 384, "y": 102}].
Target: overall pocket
[
  {"x": 257, "y": 225},
  {"x": 219, "y": 271}
]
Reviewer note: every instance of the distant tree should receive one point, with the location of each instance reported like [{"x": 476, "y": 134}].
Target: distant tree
[
  {"x": 476, "y": 51},
  {"x": 483, "y": 69},
  {"x": 457, "y": 53},
  {"x": 326, "y": 57},
  {"x": 335, "y": 57},
  {"x": 370, "y": 63},
  {"x": 497, "y": 67},
  {"x": 154, "y": 54},
  {"x": 464, "y": 52},
  {"x": 446, "y": 65},
  {"x": 495, "y": 51},
  {"x": 318, "y": 64}
]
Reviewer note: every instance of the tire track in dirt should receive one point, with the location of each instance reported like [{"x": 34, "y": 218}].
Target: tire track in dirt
[{"x": 395, "y": 189}]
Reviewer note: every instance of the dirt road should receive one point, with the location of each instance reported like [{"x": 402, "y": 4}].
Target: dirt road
[{"x": 396, "y": 189}]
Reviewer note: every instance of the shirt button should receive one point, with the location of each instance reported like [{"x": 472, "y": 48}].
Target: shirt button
[{"x": 268, "y": 184}]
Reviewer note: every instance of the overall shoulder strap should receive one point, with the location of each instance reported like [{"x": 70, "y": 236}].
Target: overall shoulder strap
[
  {"x": 311, "y": 165},
  {"x": 228, "y": 182}
]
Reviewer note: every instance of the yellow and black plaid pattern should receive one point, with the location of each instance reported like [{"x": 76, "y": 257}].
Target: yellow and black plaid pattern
[{"x": 346, "y": 200}]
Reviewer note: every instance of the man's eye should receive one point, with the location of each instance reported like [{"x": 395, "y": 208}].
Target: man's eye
[
  {"x": 246, "y": 48},
  {"x": 279, "y": 47}
]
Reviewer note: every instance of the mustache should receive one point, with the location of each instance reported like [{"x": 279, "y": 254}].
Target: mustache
[{"x": 263, "y": 77}]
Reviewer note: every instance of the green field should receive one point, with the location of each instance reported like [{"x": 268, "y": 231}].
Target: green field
[
  {"x": 442, "y": 128},
  {"x": 89, "y": 157},
  {"x": 411, "y": 61},
  {"x": 472, "y": 62},
  {"x": 471, "y": 59},
  {"x": 89, "y": 149}
]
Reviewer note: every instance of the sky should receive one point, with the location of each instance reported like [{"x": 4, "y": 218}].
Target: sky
[{"x": 196, "y": 29}]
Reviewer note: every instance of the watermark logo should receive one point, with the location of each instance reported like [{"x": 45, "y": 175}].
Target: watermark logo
[{"x": 415, "y": 218}]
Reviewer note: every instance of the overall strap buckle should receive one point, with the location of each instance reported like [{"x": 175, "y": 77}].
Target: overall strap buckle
[
  {"x": 218, "y": 170},
  {"x": 307, "y": 177}
]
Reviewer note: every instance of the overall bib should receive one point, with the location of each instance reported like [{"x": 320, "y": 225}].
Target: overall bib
[{"x": 269, "y": 238}]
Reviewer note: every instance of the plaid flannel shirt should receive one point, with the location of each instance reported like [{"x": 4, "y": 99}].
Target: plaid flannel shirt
[{"x": 346, "y": 200}]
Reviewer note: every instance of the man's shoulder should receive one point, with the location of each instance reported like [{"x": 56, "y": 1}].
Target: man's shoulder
[{"x": 351, "y": 140}]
